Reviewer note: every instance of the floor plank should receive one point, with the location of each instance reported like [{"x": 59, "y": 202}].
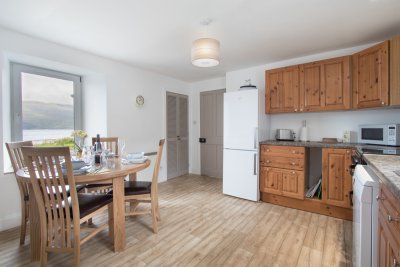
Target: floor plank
[{"x": 202, "y": 227}]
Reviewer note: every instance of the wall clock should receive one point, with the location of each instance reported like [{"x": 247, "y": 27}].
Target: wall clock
[{"x": 140, "y": 100}]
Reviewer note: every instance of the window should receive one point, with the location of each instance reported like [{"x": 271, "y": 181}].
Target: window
[{"x": 45, "y": 104}]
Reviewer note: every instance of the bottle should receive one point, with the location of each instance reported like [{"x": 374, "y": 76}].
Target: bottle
[
  {"x": 98, "y": 149},
  {"x": 303, "y": 132}
]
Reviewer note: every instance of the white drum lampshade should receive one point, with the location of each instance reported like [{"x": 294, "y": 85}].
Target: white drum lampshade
[{"x": 205, "y": 52}]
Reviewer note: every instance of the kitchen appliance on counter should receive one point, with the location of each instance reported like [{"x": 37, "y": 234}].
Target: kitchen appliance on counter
[
  {"x": 379, "y": 134},
  {"x": 285, "y": 135},
  {"x": 365, "y": 217},
  {"x": 244, "y": 123}
]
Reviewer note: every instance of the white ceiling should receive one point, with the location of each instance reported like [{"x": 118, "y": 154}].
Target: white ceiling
[{"x": 157, "y": 34}]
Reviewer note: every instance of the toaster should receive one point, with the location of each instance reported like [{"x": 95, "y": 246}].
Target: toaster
[{"x": 284, "y": 135}]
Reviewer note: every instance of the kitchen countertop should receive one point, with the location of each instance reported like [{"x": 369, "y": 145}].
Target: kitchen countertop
[
  {"x": 385, "y": 167},
  {"x": 308, "y": 144}
]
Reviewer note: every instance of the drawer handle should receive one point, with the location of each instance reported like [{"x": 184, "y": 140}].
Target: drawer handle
[
  {"x": 268, "y": 161},
  {"x": 390, "y": 219},
  {"x": 378, "y": 197},
  {"x": 293, "y": 163}
]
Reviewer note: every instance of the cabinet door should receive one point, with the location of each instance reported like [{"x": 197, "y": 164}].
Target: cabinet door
[
  {"x": 336, "y": 178},
  {"x": 371, "y": 77},
  {"x": 325, "y": 85},
  {"x": 282, "y": 92},
  {"x": 293, "y": 184},
  {"x": 271, "y": 180}
]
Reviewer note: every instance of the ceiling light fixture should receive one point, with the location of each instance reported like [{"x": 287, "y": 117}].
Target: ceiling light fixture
[{"x": 205, "y": 51}]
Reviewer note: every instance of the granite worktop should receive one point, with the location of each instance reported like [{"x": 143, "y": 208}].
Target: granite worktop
[
  {"x": 309, "y": 144},
  {"x": 387, "y": 168}
]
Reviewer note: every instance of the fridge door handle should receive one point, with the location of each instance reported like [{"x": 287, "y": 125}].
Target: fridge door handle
[
  {"x": 255, "y": 137},
  {"x": 255, "y": 164}
]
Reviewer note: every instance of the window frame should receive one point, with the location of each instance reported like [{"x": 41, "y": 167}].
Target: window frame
[{"x": 16, "y": 95}]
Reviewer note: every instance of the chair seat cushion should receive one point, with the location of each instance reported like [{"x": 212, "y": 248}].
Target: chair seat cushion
[
  {"x": 89, "y": 203},
  {"x": 89, "y": 186},
  {"x": 137, "y": 188}
]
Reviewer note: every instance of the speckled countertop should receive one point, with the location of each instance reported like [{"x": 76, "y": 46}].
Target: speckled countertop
[
  {"x": 385, "y": 167},
  {"x": 308, "y": 144}
]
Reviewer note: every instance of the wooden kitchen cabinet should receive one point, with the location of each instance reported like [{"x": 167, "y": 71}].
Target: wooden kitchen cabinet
[
  {"x": 389, "y": 229},
  {"x": 282, "y": 93},
  {"x": 336, "y": 177},
  {"x": 325, "y": 85},
  {"x": 395, "y": 71},
  {"x": 282, "y": 170},
  {"x": 371, "y": 77},
  {"x": 283, "y": 182}
]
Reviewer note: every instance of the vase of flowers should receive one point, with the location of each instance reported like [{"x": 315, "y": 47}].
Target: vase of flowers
[{"x": 79, "y": 141}]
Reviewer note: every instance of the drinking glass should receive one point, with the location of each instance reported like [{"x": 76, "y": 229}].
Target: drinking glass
[
  {"x": 87, "y": 154},
  {"x": 121, "y": 148}
]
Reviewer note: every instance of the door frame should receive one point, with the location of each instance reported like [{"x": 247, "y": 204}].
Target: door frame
[{"x": 167, "y": 93}]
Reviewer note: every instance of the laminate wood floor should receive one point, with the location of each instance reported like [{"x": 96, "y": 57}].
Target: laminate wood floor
[{"x": 202, "y": 227}]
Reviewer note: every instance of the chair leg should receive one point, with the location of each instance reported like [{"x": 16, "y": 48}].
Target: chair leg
[
  {"x": 43, "y": 252},
  {"x": 77, "y": 254},
  {"x": 157, "y": 209},
  {"x": 154, "y": 215},
  {"x": 23, "y": 224}
]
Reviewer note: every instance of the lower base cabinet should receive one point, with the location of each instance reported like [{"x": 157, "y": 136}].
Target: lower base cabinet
[
  {"x": 283, "y": 182},
  {"x": 389, "y": 229}
]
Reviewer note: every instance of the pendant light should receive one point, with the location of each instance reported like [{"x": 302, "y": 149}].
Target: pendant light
[{"x": 205, "y": 51}]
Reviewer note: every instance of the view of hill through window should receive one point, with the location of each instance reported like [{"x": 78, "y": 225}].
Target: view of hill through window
[{"x": 47, "y": 107}]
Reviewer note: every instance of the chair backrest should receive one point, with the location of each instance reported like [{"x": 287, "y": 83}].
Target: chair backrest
[
  {"x": 110, "y": 143},
  {"x": 15, "y": 153},
  {"x": 18, "y": 162},
  {"x": 50, "y": 190},
  {"x": 154, "y": 180}
]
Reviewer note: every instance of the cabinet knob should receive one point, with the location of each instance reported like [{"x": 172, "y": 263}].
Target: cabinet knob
[
  {"x": 295, "y": 109},
  {"x": 268, "y": 161},
  {"x": 383, "y": 103},
  {"x": 301, "y": 109},
  {"x": 391, "y": 219},
  {"x": 267, "y": 150},
  {"x": 293, "y": 172},
  {"x": 293, "y": 163},
  {"x": 294, "y": 151}
]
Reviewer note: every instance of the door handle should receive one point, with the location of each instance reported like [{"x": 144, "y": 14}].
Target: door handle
[
  {"x": 202, "y": 140},
  {"x": 255, "y": 164},
  {"x": 178, "y": 137},
  {"x": 255, "y": 137}
]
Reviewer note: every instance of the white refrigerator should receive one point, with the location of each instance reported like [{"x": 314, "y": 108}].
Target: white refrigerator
[{"x": 241, "y": 135}]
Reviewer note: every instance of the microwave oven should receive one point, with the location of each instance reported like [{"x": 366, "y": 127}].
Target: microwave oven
[{"x": 379, "y": 134}]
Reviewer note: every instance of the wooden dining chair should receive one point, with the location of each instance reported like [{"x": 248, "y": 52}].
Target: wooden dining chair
[
  {"x": 17, "y": 161},
  {"x": 137, "y": 192},
  {"x": 109, "y": 143},
  {"x": 61, "y": 215}
]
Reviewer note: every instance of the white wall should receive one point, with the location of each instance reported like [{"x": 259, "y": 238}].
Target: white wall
[
  {"x": 320, "y": 124},
  {"x": 111, "y": 88}
]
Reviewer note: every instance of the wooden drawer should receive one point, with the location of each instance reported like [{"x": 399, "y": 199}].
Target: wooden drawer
[
  {"x": 283, "y": 162},
  {"x": 282, "y": 151},
  {"x": 389, "y": 209}
]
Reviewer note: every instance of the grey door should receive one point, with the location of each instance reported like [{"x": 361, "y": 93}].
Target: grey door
[
  {"x": 211, "y": 131},
  {"x": 177, "y": 135}
]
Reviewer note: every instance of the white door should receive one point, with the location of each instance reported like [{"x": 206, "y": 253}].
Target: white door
[
  {"x": 241, "y": 120},
  {"x": 240, "y": 174}
]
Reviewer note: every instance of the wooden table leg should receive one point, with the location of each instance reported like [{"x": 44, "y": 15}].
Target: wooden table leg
[
  {"x": 34, "y": 224},
  {"x": 119, "y": 214}
]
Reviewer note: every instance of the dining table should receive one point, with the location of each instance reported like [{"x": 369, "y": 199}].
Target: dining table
[{"x": 114, "y": 172}]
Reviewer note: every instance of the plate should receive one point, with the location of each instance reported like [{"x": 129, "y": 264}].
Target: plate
[{"x": 135, "y": 161}]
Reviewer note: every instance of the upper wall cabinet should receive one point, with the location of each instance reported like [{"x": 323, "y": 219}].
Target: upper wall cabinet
[
  {"x": 325, "y": 85},
  {"x": 282, "y": 94},
  {"x": 371, "y": 77},
  {"x": 395, "y": 71}
]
